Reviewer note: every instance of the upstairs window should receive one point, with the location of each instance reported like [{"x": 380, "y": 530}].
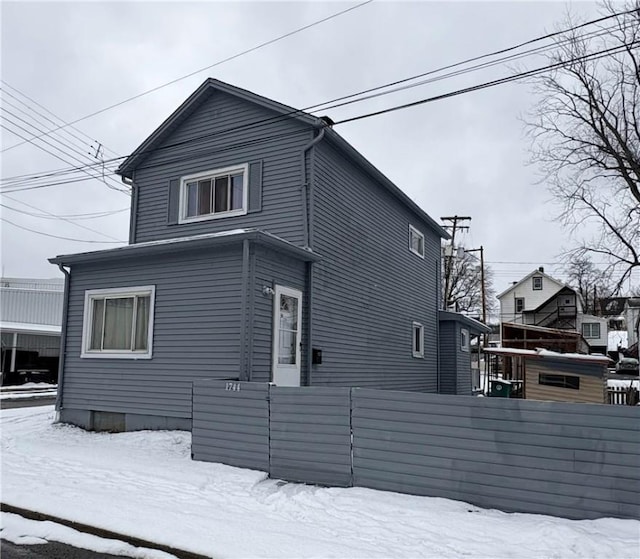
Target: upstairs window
[
  {"x": 214, "y": 194},
  {"x": 537, "y": 283},
  {"x": 118, "y": 322},
  {"x": 416, "y": 241},
  {"x": 519, "y": 304},
  {"x": 591, "y": 329},
  {"x": 418, "y": 340}
]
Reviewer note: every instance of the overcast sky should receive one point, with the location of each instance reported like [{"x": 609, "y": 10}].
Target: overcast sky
[{"x": 466, "y": 155}]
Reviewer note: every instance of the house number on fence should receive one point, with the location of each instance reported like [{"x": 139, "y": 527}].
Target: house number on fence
[{"x": 235, "y": 386}]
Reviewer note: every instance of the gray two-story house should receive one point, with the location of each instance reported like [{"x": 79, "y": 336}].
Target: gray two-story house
[{"x": 263, "y": 247}]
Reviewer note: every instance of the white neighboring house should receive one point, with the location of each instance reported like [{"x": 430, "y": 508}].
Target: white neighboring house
[
  {"x": 540, "y": 300},
  {"x": 632, "y": 318},
  {"x": 30, "y": 326}
]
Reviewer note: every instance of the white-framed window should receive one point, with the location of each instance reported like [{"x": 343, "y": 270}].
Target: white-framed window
[
  {"x": 118, "y": 323},
  {"x": 519, "y": 303},
  {"x": 214, "y": 194},
  {"x": 591, "y": 329},
  {"x": 416, "y": 241},
  {"x": 537, "y": 283},
  {"x": 464, "y": 339},
  {"x": 418, "y": 340}
]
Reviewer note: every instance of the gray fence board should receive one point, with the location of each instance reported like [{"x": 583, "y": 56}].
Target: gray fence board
[
  {"x": 231, "y": 426},
  {"x": 311, "y": 435},
  {"x": 572, "y": 460},
  {"x": 454, "y": 447}
]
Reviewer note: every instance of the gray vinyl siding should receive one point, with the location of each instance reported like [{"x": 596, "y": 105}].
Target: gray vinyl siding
[
  {"x": 368, "y": 287},
  {"x": 271, "y": 268},
  {"x": 277, "y": 144},
  {"x": 196, "y": 333},
  {"x": 448, "y": 358}
]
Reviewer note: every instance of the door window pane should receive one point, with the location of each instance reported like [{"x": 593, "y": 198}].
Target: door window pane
[{"x": 288, "y": 330}]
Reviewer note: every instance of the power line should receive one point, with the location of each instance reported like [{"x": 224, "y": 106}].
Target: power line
[
  {"x": 5, "y": 220},
  {"x": 450, "y": 94},
  {"x": 58, "y": 217},
  {"x": 228, "y": 59},
  {"x": 74, "y": 217},
  {"x": 492, "y": 83},
  {"x": 70, "y": 150},
  {"x": 49, "y": 152},
  {"x": 34, "y": 102},
  {"x": 508, "y": 49}
]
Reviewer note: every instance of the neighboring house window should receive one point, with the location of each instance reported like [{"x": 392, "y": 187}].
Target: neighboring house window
[
  {"x": 537, "y": 283},
  {"x": 118, "y": 323},
  {"x": 418, "y": 340},
  {"x": 559, "y": 381},
  {"x": 214, "y": 194},
  {"x": 464, "y": 339},
  {"x": 519, "y": 304},
  {"x": 591, "y": 329},
  {"x": 416, "y": 241}
]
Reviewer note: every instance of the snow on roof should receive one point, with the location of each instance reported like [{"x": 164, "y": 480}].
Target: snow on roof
[
  {"x": 27, "y": 328},
  {"x": 548, "y": 354}
]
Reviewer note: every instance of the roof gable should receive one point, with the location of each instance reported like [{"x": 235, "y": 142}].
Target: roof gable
[
  {"x": 535, "y": 272},
  {"x": 198, "y": 97}
]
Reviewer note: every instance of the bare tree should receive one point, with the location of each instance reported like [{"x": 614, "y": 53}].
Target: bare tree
[
  {"x": 585, "y": 133},
  {"x": 589, "y": 281},
  {"x": 465, "y": 286}
]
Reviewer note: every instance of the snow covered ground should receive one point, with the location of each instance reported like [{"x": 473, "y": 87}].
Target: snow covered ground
[{"x": 144, "y": 484}]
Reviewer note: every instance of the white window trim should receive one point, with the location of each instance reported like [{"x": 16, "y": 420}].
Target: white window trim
[
  {"x": 417, "y": 354},
  {"x": 91, "y": 294},
  {"x": 419, "y": 233},
  {"x": 182, "y": 214},
  {"x": 465, "y": 340},
  {"x": 591, "y": 326}
]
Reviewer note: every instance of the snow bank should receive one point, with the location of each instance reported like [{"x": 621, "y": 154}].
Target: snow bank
[{"x": 145, "y": 484}]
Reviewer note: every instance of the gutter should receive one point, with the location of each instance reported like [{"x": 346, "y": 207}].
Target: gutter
[
  {"x": 133, "y": 217},
  {"x": 63, "y": 336},
  {"x": 307, "y": 226}
]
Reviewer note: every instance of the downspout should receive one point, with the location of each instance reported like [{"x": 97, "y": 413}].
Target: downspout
[
  {"x": 133, "y": 218},
  {"x": 307, "y": 201},
  {"x": 244, "y": 374},
  {"x": 63, "y": 338}
]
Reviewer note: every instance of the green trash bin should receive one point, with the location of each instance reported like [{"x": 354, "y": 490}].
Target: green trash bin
[{"x": 500, "y": 388}]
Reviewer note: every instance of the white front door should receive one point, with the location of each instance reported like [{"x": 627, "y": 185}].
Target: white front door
[{"x": 287, "y": 321}]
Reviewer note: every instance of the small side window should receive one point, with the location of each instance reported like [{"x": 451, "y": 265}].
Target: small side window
[
  {"x": 537, "y": 283},
  {"x": 519, "y": 304},
  {"x": 464, "y": 339},
  {"x": 416, "y": 241},
  {"x": 418, "y": 340}
]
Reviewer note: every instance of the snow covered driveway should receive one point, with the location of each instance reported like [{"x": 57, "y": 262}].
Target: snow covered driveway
[{"x": 145, "y": 484}]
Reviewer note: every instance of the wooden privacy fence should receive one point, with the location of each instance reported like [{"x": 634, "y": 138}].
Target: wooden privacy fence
[{"x": 571, "y": 460}]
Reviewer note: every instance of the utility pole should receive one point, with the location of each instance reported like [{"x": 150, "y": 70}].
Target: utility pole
[{"x": 448, "y": 259}]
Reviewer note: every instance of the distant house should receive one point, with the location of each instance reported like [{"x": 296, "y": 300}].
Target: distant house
[
  {"x": 30, "y": 322},
  {"x": 263, "y": 247},
  {"x": 546, "y": 375},
  {"x": 542, "y": 301},
  {"x": 632, "y": 318}
]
